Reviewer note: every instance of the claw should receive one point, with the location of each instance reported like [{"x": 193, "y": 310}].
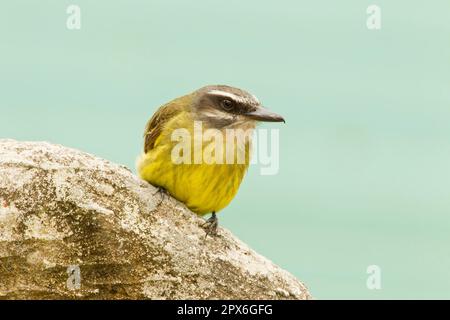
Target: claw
[
  {"x": 162, "y": 193},
  {"x": 211, "y": 225}
]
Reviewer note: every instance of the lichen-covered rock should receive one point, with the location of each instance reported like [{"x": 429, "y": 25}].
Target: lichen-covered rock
[{"x": 76, "y": 226}]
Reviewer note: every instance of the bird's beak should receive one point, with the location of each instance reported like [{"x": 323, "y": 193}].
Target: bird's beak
[{"x": 262, "y": 114}]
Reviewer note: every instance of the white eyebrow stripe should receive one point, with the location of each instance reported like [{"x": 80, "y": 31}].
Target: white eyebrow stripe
[
  {"x": 256, "y": 99},
  {"x": 226, "y": 94},
  {"x": 231, "y": 95}
]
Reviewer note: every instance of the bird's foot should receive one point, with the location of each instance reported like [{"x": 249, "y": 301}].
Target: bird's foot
[
  {"x": 211, "y": 225},
  {"x": 162, "y": 194}
]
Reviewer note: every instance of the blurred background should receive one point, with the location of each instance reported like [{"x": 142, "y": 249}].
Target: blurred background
[{"x": 365, "y": 154}]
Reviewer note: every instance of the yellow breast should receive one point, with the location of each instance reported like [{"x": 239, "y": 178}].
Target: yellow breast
[{"x": 203, "y": 187}]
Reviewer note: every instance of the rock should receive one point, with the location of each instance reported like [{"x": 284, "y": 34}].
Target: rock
[{"x": 73, "y": 226}]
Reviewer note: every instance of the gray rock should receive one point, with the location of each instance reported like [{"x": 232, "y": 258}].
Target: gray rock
[{"x": 73, "y": 226}]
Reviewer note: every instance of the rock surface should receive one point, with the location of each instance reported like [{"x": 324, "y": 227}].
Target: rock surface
[{"x": 73, "y": 226}]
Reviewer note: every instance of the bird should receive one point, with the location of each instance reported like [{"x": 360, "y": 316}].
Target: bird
[{"x": 204, "y": 187}]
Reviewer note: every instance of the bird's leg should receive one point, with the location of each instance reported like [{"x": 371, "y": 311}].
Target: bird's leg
[
  {"x": 162, "y": 194},
  {"x": 211, "y": 225}
]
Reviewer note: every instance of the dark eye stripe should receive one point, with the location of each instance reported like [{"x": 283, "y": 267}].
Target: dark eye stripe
[{"x": 240, "y": 105}]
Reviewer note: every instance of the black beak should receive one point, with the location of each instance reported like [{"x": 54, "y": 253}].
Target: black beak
[{"x": 262, "y": 114}]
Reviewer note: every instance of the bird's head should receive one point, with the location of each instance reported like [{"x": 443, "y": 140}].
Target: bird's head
[{"x": 222, "y": 106}]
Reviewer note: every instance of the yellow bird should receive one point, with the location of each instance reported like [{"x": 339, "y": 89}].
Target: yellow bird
[{"x": 197, "y": 147}]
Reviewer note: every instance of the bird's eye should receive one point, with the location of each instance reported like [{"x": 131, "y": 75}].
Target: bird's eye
[{"x": 227, "y": 104}]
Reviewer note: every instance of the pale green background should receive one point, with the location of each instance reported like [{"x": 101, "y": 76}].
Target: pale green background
[{"x": 365, "y": 153}]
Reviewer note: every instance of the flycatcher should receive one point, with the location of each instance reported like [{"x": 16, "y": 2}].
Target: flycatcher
[{"x": 197, "y": 147}]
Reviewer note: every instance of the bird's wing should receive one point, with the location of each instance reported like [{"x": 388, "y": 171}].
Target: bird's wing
[{"x": 157, "y": 122}]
